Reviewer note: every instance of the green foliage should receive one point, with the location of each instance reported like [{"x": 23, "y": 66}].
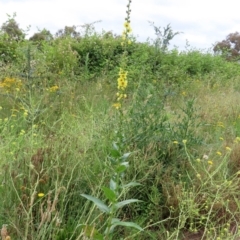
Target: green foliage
[
  {"x": 8, "y": 49},
  {"x": 11, "y": 28},
  {"x": 164, "y": 37},
  {"x": 98, "y": 53},
  {"x": 229, "y": 48},
  {"x": 179, "y": 119},
  {"x": 43, "y": 35}
]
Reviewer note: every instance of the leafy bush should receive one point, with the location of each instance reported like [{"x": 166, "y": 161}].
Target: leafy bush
[{"x": 8, "y": 49}]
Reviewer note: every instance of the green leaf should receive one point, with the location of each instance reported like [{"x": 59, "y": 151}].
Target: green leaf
[
  {"x": 121, "y": 169},
  {"x": 127, "y": 224},
  {"x": 115, "y": 146},
  {"x": 110, "y": 194},
  {"x": 125, "y": 156},
  {"x": 131, "y": 184},
  {"x": 114, "y": 220},
  {"x": 126, "y": 164},
  {"x": 97, "y": 202},
  {"x": 113, "y": 185},
  {"x": 125, "y": 202},
  {"x": 91, "y": 231},
  {"x": 115, "y": 153}
]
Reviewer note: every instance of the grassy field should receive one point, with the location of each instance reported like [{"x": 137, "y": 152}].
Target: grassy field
[{"x": 103, "y": 137}]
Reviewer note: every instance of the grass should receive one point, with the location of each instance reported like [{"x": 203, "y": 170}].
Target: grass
[
  {"x": 171, "y": 149},
  {"x": 63, "y": 153}
]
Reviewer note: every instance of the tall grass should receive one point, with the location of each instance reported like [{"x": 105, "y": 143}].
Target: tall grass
[{"x": 62, "y": 138}]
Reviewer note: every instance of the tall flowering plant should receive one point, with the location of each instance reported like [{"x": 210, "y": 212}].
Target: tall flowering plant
[
  {"x": 122, "y": 80},
  {"x": 118, "y": 159}
]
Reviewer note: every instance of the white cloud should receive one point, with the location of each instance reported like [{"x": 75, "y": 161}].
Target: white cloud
[{"x": 202, "y": 21}]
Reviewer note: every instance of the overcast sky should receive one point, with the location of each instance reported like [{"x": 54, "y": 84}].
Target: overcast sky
[{"x": 203, "y": 22}]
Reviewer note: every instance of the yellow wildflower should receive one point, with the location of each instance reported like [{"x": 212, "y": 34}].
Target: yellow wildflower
[
  {"x": 175, "y": 142},
  {"x": 220, "y": 124},
  {"x": 210, "y": 162},
  {"x": 41, "y": 194},
  {"x": 228, "y": 149},
  {"x": 237, "y": 139},
  {"x": 117, "y": 105},
  {"x": 123, "y": 37},
  {"x": 126, "y": 24},
  {"x": 53, "y": 88},
  {"x": 11, "y": 84},
  {"x": 25, "y": 114},
  {"x": 219, "y": 153},
  {"x": 22, "y": 132}
]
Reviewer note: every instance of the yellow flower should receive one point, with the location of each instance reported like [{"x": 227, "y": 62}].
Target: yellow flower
[
  {"x": 221, "y": 138},
  {"x": 25, "y": 114},
  {"x": 184, "y": 141},
  {"x": 120, "y": 96},
  {"x": 126, "y": 24},
  {"x": 219, "y": 153},
  {"x": 53, "y": 88},
  {"x": 122, "y": 84},
  {"x": 22, "y": 132},
  {"x": 198, "y": 160},
  {"x": 175, "y": 142},
  {"x": 117, "y": 105},
  {"x": 220, "y": 124},
  {"x": 129, "y": 29},
  {"x": 41, "y": 194},
  {"x": 210, "y": 162},
  {"x": 11, "y": 84},
  {"x": 123, "y": 37},
  {"x": 237, "y": 139},
  {"x": 228, "y": 149}
]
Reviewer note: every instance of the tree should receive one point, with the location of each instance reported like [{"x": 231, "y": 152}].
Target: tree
[
  {"x": 230, "y": 47},
  {"x": 44, "y": 35},
  {"x": 68, "y": 31},
  {"x": 163, "y": 37},
  {"x": 11, "y": 28}
]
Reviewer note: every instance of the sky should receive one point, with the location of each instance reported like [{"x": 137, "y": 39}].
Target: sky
[{"x": 202, "y": 23}]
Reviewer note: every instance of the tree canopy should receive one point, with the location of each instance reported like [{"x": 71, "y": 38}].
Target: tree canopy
[
  {"x": 229, "y": 47},
  {"x": 11, "y": 28}
]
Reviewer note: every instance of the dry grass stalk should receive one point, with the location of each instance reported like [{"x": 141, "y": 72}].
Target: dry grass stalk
[{"x": 4, "y": 233}]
